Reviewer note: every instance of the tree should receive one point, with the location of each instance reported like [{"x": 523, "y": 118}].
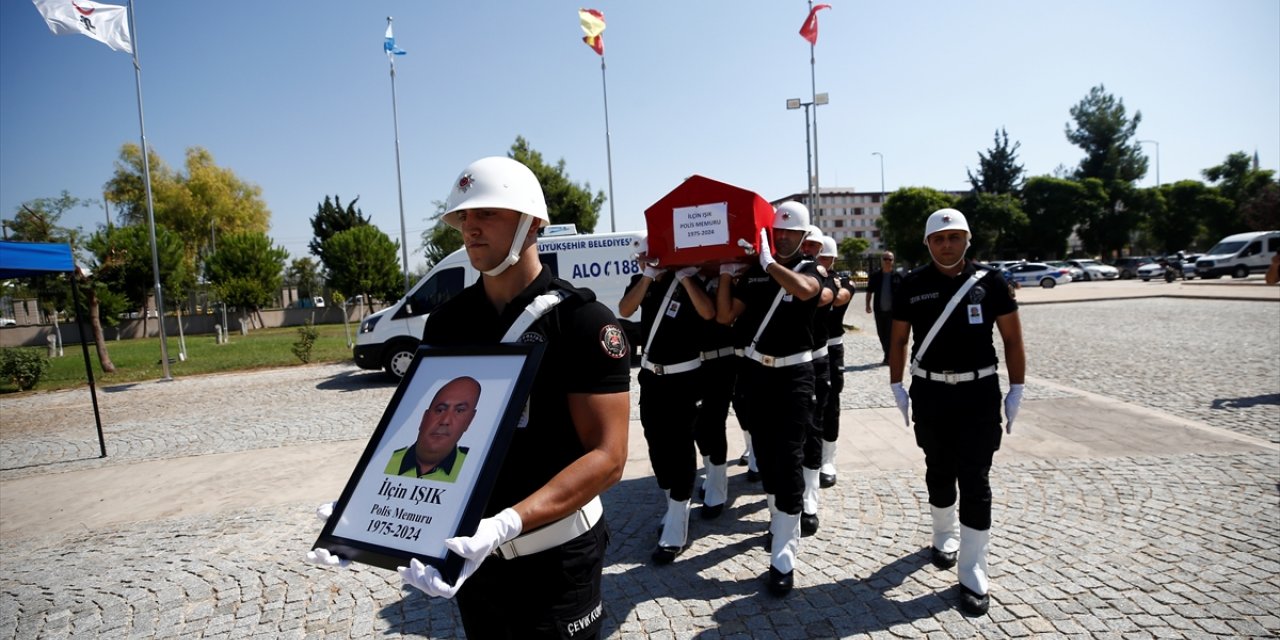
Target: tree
[
  {"x": 1188, "y": 204},
  {"x": 1262, "y": 211},
  {"x": 566, "y": 201},
  {"x": 1054, "y": 206},
  {"x": 40, "y": 220},
  {"x": 246, "y": 270},
  {"x": 124, "y": 266},
  {"x": 363, "y": 261},
  {"x": 1239, "y": 181},
  {"x": 441, "y": 239},
  {"x": 851, "y": 252},
  {"x": 1106, "y": 134},
  {"x": 902, "y": 221},
  {"x": 207, "y": 202},
  {"x": 304, "y": 274},
  {"x": 998, "y": 170},
  {"x": 996, "y": 223},
  {"x": 331, "y": 219}
]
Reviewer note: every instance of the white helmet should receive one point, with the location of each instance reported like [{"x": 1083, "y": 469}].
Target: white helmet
[
  {"x": 828, "y": 247},
  {"x": 791, "y": 215},
  {"x": 943, "y": 220},
  {"x": 496, "y": 182}
]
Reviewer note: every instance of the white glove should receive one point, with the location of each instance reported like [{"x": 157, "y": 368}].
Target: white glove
[
  {"x": 766, "y": 251},
  {"x": 1012, "y": 402},
  {"x": 732, "y": 268},
  {"x": 651, "y": 272},
  {"x": 685, "y": 273},
  {"x": 492, "y": 533},
  {"x": 323, "y": 558},
  {"x": 903, "y": 399},
  {"x": 324, "y": 511}
]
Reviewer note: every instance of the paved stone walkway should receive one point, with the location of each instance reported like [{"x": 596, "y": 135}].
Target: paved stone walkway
[{"x": 1100, "y": 530}]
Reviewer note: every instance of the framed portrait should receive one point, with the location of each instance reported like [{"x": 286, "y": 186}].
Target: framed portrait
[{"x": 429, "y": 467}]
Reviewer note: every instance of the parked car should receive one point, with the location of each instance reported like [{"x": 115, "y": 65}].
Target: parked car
[
  {"x": 1128, "y": 267},
  {"x": 1039, "y": 273},
  {"x": 1076, "y": 272},
  {"x": 1094, "y": 270},
  {"x": 1156, "y": 269},
  {"x": 8, "y": 322}
]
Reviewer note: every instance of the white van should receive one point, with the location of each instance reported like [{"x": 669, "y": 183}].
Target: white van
[
  {"x": 601, "y": 262},
  {"x": 1239, "y": 255}
]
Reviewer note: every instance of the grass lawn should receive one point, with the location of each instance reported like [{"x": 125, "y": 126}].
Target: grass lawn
[{"x": 139, "y": 360}]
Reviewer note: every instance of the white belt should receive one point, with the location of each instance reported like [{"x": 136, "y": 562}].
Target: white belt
[
  {"x": 784, "y": 361},
  {"x": 718, "y": 353},
  {"x": 820, "y": 352},
  {"x": 662, "y": 369},
  {"x": 554, "y": 534},
  {"x": 951, "y": 377},
  {"x": 835, "y": 342}
]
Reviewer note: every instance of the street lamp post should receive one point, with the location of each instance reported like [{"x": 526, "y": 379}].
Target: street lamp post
[
  {"x": 1157, "y": 144},
  {"x": 810, "y": 161}
]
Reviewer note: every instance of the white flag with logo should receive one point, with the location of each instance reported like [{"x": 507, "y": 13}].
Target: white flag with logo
[{"x": 106, "y": 23}]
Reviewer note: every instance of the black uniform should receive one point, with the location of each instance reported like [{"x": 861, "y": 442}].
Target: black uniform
[
  {"x": 835, "y": 361},
  {"x": 882, "y": 303},
  {"x": 719, "y": 371},
  {"x": 543, "y": 594},
  {"x": 775, "y": 404},
  {"x": 669, "y": 401},
  {"x": 957, "y": 425},
  {"x": 821, "y": 374}
]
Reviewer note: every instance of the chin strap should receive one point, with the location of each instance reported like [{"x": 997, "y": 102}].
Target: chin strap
[
  {"x": 953, "y": 264},
  {"x": 517, "y": 243}
]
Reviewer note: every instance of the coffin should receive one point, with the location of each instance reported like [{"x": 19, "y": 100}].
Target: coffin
[{"x": 705, "y": 220}]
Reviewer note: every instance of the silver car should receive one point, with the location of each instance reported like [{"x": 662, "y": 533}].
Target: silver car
[{"x": 1094, "y": 270}]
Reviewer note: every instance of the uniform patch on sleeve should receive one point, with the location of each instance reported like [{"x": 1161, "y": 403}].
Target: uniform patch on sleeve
[{"x": 613, "y": 341}]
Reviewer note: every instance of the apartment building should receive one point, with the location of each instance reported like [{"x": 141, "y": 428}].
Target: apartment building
[{"x": 844, "y": 213}]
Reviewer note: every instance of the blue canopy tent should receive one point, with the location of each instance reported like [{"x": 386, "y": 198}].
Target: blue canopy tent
[{"x": 27, "y": 259}]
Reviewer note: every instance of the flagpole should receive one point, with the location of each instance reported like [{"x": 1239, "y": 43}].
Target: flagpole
[
  {"x": 813, "y": 85},
  {"x": 151, "y": 219},
  {"x": 395, "y": 118},
  {"x": 608, "y": 147}
]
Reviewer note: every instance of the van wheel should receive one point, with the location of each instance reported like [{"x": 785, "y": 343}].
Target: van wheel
[
  {"x": 398, "y": 358},
  {"x": 1048, "y": 283},
  {"x": 1240, "y": 272}
]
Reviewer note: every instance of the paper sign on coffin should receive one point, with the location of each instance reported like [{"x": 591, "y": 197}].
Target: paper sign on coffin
[{"x": 704, "y": 220}]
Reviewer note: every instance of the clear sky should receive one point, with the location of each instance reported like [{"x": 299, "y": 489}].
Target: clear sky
[{"x": 296, "y": 96}]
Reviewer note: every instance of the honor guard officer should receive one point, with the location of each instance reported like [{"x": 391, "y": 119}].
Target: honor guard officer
[
  {"x": 771, "y": 309},
  {"x": 719, "y": 372},
  {"x": 835, "y": 361},
  {"x": 533, "y": 566},
  {"x": 813, "y": 440},
  {"x": 950, "y": 307},
  {"x": 673, "y": 306}
]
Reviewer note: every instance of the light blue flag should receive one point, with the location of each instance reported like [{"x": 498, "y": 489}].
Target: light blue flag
[{"x": 389, "y": 45}]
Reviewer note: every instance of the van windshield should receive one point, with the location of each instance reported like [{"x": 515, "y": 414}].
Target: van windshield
[
  {"x": 434, "y": 292},
  {"x": 1226, "y": 248}
]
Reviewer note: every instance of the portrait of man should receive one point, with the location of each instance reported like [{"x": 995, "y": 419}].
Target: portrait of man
[{"x": 435, "y": 455}]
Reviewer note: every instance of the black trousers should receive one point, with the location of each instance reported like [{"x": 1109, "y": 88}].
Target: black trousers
[
  {"x": 668, "y": 411},
  {"x": 884, "y": 328},
  {"x": 814, "y": 435},
  {"x": 831, "y": 411},
  {"x": 549, "y": 595},
  {"x": 776, "y": 407},
  {"x": 718, "y": 377},
  {"x": 958, "y": 427}
]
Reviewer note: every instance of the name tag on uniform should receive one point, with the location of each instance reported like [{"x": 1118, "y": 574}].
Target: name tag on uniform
[
  {"x": 673, "y": 309},
  {"x": 787, "y": 298},
  {"x": 975, "y": 314}
]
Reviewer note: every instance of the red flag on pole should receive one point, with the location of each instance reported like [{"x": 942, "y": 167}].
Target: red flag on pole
[
  {"x": 592, "y": 25},
  {"x": 809, "y": 30}
]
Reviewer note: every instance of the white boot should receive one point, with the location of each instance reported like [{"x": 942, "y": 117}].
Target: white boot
[
  {"x": 706, "y": 468},
  {"x": 717, "y": 486},
  {"x": 827, "y": 478},
  {"x": 751, "y": 454},
  {"x": 971, "y": 568},
  {"x": 785, "y": 529},
  {"x": 809, "y": 519},
  {"x": 675, "y": 531},
  {"x": 946, "y": 536}
]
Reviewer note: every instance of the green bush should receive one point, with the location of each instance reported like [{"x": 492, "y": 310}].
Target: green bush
[
  {"x": 23, "y": 367},
  {"x": 307, "y": 335}
]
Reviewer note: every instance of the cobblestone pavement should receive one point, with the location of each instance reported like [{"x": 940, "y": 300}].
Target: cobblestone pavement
[{"x": 1137, "y": 546}]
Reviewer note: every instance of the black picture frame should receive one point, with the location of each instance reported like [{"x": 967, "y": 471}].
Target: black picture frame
[{"x": 384, "y": 519}]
